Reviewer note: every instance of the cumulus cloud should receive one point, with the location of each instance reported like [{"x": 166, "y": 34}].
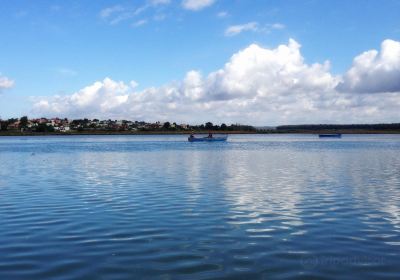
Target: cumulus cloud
[
  {"x": 257, "y": 85},
  {"x": 196, "y": 5},
  {"x": 5, "y": 83},
  {"x": 99, "y": 98},
  {"x": 374, "y": 71}
]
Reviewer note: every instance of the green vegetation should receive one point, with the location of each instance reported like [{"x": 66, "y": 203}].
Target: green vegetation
[
  {"x": 340, "y": 128},
  {"x": 25, "y": 126},
  {"x": 41, "y": 126}
]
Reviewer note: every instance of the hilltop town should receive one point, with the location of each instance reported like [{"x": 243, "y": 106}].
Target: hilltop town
[{"x": 67, "y": 126}]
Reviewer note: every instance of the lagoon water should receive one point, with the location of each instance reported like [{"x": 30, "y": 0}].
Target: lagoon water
[{"x": 158, "y": 207}]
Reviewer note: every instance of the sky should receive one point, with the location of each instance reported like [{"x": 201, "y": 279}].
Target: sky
[{"x": 259, "y": 62}]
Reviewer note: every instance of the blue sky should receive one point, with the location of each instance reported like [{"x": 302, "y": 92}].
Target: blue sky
[{"x": 52, "y": 48}]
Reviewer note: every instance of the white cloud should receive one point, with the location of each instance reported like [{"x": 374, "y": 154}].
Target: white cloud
[
  {"x": 196, "y": 5},
  {"x": 374, "y": 72},
  {"x": 116, "y": 14},
  {"x": 107, "y": 12},
  {"x": 237, "y": 29},
  {"x": 5, "y": 83},
  {"x": 222, "y": 14},
  {"x": 67, "y": 72},
  {"x": 254, "y": 27},
  {"x": 133, "y": 84},
  {"x": 257, "y": 85},
  {"x": 159, "y": 2},
  {"x": 276, "y": 26},
  {"x": 98, "y": 98},
  {"x": 140, "y": 23}
]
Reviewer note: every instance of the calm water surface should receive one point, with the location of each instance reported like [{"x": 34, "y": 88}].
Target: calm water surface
[{"x": 158, "y": 207}]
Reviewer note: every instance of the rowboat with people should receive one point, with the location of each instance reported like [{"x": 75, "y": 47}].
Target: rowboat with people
[{"x": 209, "y": 138}]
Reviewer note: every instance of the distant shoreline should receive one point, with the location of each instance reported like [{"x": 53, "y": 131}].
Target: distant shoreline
[
  {"x": 87, "y": 133},
  {"x": 100, "y": 133}
]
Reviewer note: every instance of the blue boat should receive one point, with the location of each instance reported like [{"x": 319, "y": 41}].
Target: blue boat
[
  {"x": 192, "y": 138},
  {"x": 334, "y": 135}
]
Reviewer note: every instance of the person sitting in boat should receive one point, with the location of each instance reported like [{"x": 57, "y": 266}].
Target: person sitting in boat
[
  {"x": 210, "y": 135},
  {"x": 191, "y": 136}
]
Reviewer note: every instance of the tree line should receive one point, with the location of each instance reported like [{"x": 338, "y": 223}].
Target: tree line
[{"x": 321, "y": 127}]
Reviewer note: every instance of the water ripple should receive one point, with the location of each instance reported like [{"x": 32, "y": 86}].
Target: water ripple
[{"x": 157, "y": 207}]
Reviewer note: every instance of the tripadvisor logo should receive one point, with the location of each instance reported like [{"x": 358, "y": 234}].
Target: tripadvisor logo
[{"x": 311, "y": 262}]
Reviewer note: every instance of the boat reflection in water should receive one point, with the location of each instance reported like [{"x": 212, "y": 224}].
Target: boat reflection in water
[
  {"x": 209, "y": 138},
  {"x": 333, "y": 135}
]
